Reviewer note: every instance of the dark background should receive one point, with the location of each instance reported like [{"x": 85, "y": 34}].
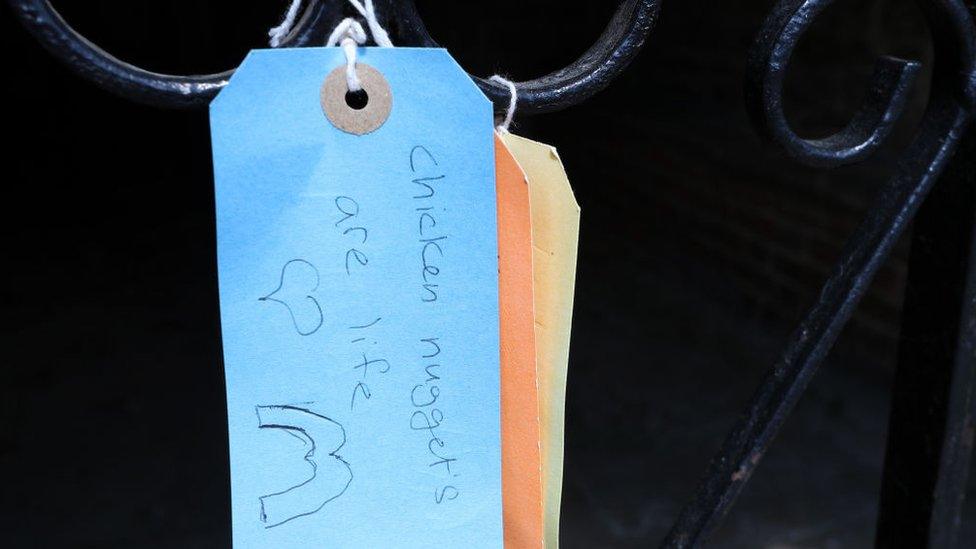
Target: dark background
[{"x": 700, "y": 249}]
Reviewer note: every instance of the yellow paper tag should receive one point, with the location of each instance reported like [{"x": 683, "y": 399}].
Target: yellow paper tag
[{"x": 555, "y": 233}]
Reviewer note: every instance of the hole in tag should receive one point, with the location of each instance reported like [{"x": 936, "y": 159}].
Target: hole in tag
[
  {"x": 358, "y": 112},
  {"x": 357, "y": 100}
]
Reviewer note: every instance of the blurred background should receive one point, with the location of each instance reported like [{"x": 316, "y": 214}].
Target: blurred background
[{"x": 700, "y": 249}]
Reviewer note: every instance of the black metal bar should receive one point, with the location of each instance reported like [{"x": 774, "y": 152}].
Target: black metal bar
[
  {"x": 768, "y": 62},
  {"x": 808, "y": 346},
  {"x": 594, "y": 70},
  {"x": 621, "y": 41},
  {"x": 172, "y": 91},
  {"x": 949, "y": 113},
  {"x": 931, "y": 426}
]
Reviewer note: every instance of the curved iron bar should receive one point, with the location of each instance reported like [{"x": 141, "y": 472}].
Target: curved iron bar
[
  {"x": 594, "y": 70},
  {"x": 949, "y": 113},
  {"x": 620, "y": 42},
  {"x": 91, "y": 62},
  {"x": 768, "y": 61}
]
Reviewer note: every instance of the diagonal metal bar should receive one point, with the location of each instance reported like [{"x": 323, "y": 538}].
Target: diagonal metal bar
[
  {"x": 783, "y": 385},
  {"x": 931, "y": 426}
]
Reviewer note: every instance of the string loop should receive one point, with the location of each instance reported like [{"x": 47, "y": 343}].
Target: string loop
[
  {"x": 512, "y": 101},
  {"x": 349, "y": 34},
  {"x": 367, "y": 11}
]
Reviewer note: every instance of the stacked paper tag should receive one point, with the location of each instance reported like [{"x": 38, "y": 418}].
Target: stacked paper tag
[{"x": 396, "y": 291}]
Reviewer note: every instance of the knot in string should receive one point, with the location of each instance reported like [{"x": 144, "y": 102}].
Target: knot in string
[
  {"x": 368, "y": 12},
  {"x": 349, "y": 34}
]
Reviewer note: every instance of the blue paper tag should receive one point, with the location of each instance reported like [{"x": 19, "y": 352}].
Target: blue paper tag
[{"x": 359, "y": 307}]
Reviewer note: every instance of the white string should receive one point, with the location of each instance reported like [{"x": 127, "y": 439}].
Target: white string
[
  {"x": 277, "y": 34},
  {"x": 368, "y": 12},
  {"x": 349, "y": 34},
  {"x": 512, "y": 102}
]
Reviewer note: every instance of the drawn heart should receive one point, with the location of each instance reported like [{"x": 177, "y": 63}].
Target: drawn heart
[{"x": 298, "y": 281}]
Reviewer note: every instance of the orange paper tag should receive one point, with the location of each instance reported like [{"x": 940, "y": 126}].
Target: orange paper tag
[
  {"x": 521, "y": 453},
  {"x": 555, "y": 232}
]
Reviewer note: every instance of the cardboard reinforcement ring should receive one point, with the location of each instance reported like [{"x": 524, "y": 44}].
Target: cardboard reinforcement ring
[{"x": 379, "y": 101}]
